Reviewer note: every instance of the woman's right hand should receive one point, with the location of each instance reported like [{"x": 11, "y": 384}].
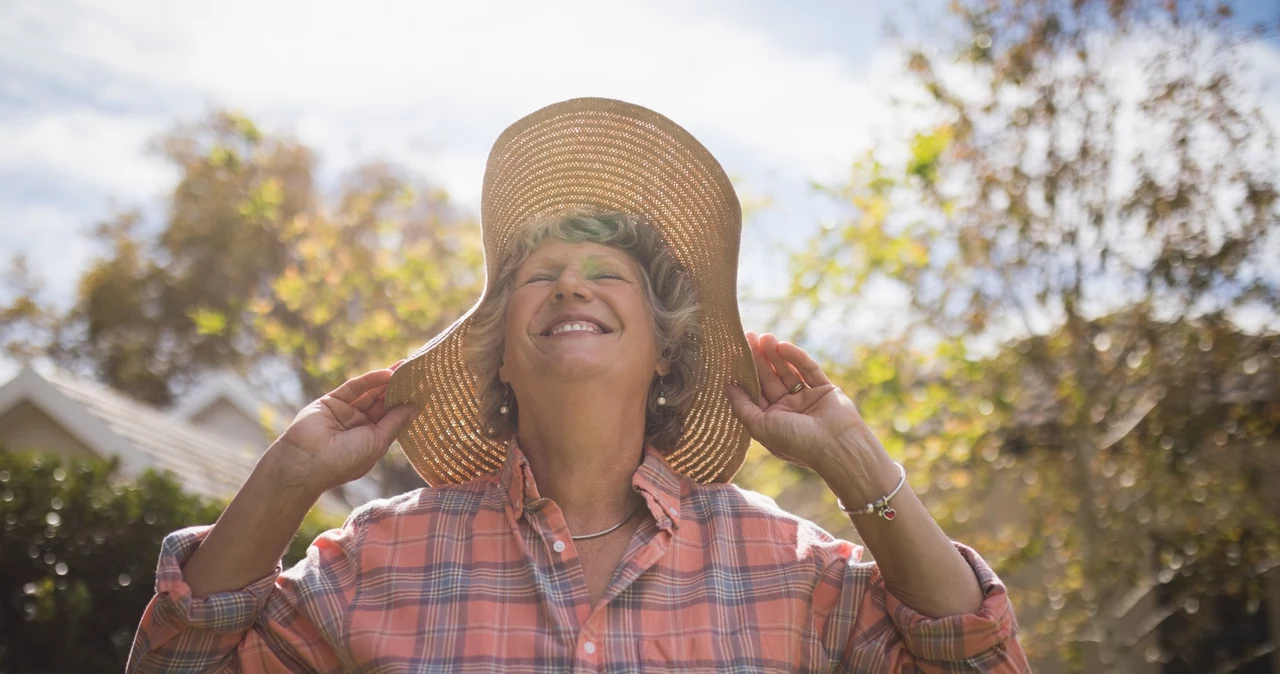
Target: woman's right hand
[{"x": 340, "y": 436}]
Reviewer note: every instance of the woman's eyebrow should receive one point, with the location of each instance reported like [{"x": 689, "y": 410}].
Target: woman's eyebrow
[
  {"x": 543, "y": 264},
  {"x": 598, "y": 262},
  {"x": 590, "y": 264}
]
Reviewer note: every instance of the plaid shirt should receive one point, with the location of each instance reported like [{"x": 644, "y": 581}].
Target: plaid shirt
[{"x": 483, "y": 577}]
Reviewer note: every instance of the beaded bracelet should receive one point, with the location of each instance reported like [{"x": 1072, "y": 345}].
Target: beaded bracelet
[{"x": 881, "y": 505}]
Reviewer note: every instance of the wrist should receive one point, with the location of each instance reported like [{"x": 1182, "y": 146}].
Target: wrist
[
  {"x": 860, "y": 470},
  {"x": 286, "y": 468}
]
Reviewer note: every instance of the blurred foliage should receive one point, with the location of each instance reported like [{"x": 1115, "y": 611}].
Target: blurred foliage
[
  {"x": 1076, "y": 235},
  {"x": 251, "y": 267},
  {"x": 78, "y": 551},
  {"x": 251, "y": 264}
]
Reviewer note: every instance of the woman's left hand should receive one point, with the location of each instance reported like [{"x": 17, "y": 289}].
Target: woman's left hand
[{"x": 809, "y": 427}]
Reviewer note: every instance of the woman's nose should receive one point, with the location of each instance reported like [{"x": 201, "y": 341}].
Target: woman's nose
[{"x": 570, "y": 283}]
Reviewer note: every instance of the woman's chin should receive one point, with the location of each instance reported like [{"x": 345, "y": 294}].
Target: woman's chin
[
  {"x": 573, "y": 353},
  {"x": 579, "y": 369},
  {"x": 579, "y": 366}
]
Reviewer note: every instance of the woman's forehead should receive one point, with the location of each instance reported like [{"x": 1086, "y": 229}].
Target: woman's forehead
[{"x": 584, "y": 253}]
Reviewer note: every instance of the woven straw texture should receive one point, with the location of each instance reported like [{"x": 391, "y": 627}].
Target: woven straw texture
[{"x": 606, "y": 155}]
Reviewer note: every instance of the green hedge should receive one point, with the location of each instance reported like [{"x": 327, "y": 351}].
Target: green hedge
[{"x": 78, "y": 557}]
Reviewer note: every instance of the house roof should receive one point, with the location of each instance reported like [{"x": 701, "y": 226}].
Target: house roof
[
  {"x": 228, "y": 386},
  {"x": 111, "y": 423}
]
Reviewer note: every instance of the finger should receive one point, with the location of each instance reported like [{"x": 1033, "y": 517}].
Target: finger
[
  {"x": 368, "y": 398},
  {"x": 786, "y": 374},
  {"x": 394, "y": 366},
  {"x": 771, "y": 388},
  {"x": 803, "y": 363},
  {"x": 356, "y": 386},
  {"x": 744, "y": 408},
  {"x": 377, "y": 409},
  {"x": 394, "y": 421}
]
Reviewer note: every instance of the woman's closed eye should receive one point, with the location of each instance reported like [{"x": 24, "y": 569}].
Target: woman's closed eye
[{"x": 602, "y": 275}]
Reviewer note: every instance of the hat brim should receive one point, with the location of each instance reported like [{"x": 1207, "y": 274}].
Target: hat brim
[{"x": 604, "y": 155}]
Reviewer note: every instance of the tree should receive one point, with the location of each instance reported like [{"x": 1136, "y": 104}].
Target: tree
[
  {"x": 253, "y": 270},
  {"x": 251, "y": 264},
  {"x": 1078, "y": 238},
  {"x": 78, "y": 551},
  {"x": 392, "y": 266},
  {"x": 27, "y": 322},
  {"x": 166, "y": 303}
]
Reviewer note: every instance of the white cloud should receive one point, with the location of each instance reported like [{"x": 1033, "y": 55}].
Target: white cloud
[
  {"x": 429, "y": 85},
  {"x": 409, "y": 67},
  {"x": 86, "y": 147},
  {"x": 59, "y": 248}
]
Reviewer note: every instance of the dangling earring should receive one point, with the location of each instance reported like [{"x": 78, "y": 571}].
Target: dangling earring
[
  {"x": 662, "y": 395},
  {"x": 505, "y": 393}
]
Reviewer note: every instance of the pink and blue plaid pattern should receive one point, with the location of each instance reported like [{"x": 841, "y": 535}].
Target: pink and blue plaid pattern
[{"x": 467, "y": 578}]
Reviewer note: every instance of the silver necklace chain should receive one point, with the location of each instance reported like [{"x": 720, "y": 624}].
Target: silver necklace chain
[{"x": 601, "y": 533}]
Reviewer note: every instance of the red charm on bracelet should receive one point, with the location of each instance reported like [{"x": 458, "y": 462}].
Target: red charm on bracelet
[{"x": 881, "y": 505}]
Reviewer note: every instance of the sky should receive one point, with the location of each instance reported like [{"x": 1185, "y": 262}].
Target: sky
[
  {"x": 779, "y": 97},
  {"x": 781, "y": 93}
]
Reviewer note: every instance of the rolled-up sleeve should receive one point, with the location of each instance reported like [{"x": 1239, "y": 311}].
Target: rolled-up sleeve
[
  {"x": 868, "y": 629},
  {"x": 283, "y": 621}
]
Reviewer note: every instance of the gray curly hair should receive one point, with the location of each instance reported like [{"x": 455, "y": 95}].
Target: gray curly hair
[{"x": 670, "y": 295}]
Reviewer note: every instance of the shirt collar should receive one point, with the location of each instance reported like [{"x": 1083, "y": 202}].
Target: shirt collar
[{"x": 654, "y": 479}]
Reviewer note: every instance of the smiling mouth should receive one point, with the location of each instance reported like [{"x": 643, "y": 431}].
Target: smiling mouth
[{"x": 576, "y": 327}]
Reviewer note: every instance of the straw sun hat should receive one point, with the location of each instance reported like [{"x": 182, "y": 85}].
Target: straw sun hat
[{"x": 605, "y": 155}]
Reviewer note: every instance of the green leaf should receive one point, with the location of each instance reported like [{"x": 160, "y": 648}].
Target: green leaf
[
  {"x": 927, "y": 150},
  {"x": 208, "y": 322}
]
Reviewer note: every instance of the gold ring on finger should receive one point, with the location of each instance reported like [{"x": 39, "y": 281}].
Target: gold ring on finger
[{"x": 797, "y": 388}]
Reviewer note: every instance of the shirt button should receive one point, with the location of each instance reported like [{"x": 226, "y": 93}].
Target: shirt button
[
  {"x": 558, "y": 546},
  {"x": 589, "y": 647}
]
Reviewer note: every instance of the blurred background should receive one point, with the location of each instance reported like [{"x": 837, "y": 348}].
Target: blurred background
[{"x": 1035, "y": 240}]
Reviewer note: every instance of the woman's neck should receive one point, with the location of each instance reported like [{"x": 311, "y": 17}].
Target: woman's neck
[{"x": 584, "y": 443}]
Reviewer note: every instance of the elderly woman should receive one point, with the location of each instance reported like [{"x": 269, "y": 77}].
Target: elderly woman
[{"x": 578, "y": 429}]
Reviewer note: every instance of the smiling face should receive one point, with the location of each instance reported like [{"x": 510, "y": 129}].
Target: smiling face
[
  {"x": 582, "y": 295},
  {"x": 577, "y": 311}
]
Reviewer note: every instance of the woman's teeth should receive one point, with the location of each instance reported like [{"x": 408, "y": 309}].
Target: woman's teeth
[{"x": 575, "y": 327}]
